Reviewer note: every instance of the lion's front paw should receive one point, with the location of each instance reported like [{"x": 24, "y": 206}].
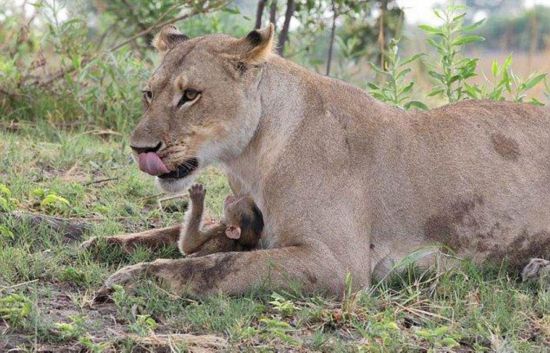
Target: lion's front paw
[
  {"x": 126, "y": 275},
  {"x": 536, "y": 268}
]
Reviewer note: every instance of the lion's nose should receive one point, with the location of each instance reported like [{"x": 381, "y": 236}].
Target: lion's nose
[{"x": 146, "y": 149}]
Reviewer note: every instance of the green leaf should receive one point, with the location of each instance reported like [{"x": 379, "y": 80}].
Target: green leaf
[
  {"x": 373, "y": 86},
  {"x": 467, "y": 39},
  {"x": 507, "y": 62},
  {"x": 231, "y": 10},
  {"x": 533, "y": 81},
  {"x": 430, "y": 29},
  {"x": 402, "y": 73},
  {"x": 435, "y": 44},
  {"x": 536, "y": 102},
  {"x": 437, "y": 76},
  {"x": 5, "y": 232},
  {"x": 416, "y": 105},
  {"x": 53, "y": 200},
  {"x": 5, "y": 205},
  {"x": 473, "y": 26},
  {"x": 412, "y": 58},
  {"x": 435, "y": 92},
  {"x": 459, "y": 17},
  {"x": 4, "y": 190},
  {"x": 494, "y": 68},
  {"x": 377, "y": 69},
  {"x": 406, "y": 89}
]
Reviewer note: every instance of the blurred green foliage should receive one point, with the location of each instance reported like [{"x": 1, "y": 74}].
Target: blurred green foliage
[{"x": 79, "y": 65}]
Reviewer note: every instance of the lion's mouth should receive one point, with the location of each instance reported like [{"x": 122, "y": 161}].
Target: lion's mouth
[{"x": 182, "y": 170}]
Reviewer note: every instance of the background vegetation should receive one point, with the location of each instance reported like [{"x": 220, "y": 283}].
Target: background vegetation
[{"x": 70, "y": 76}]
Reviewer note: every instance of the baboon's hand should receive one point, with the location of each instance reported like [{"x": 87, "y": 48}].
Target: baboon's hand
[{"x": 197, "y": 193}]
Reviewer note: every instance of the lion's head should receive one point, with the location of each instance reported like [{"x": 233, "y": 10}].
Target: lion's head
[{"x": 201, "y": 104}]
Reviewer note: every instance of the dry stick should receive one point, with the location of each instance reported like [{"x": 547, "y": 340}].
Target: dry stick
[
  {"x": 18, "y": 285},
  {"x": 283, "y": 36},
  {"x": 273, "y": 14},
  {"x": 381, "y": 39},
  {"x": 60, "y": 74},
  {"x": 332, "y": 35},
  {"x": 259, "y": 13},
  {"x": 100, "y": 181},
  {"x": 422, "y": 313},
  {"x": 172, "y": 197}
]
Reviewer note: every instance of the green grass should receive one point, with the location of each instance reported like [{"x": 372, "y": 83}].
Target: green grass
[{"x": 47, "y": 282}]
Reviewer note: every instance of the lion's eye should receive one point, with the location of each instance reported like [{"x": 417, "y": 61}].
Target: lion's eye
[{"x": 188, "y": 96}]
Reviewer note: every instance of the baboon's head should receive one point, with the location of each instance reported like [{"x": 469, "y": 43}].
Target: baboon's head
[
  {"x": 201, "y": 104},
  {"x": 243, "y": 219}
]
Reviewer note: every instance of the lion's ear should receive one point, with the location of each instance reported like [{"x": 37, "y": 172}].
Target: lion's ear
[
  {"x": 257, "y": 45},
  {"x": 167, "y": 38}
]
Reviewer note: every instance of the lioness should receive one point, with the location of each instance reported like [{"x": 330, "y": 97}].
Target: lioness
[{"x": 346, "y": 183}]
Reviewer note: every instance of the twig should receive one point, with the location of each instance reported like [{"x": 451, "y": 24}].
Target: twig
[
  {"x": 18, "y": 285},
  {"x": 421, "y": 313},
  {"x": 99, "y": 181},
  {"x": 71, "y": 228},
  {"x": 167, "y": 198}
]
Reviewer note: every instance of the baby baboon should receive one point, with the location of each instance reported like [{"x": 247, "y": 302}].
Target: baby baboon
[{"x": 239, "y": 230}]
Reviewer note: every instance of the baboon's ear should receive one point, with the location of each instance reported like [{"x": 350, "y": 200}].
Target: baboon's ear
[
  {"x": 233, "y": 232},
  {"x": 167, "y": 38},
  {"x": 257, "y": 45}
]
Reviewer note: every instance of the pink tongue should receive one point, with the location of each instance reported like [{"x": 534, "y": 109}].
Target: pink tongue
[{"x": 150, "y": 163}]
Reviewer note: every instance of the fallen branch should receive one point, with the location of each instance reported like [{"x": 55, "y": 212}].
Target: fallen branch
[
  {"x": 18, "y": 285},
  {"x": 99, "y": 181},
  {"x": 193, "y": 343},
  {"x": 71, "y": 228}
]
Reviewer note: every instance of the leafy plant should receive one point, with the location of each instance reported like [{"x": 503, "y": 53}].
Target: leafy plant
[
  {"x": 505, "y": 82},
  {"x": 282, "y": 305},
  {"x": 15, "y": 308},
  {"x": 50, "y": 201},
  {"x": 92, "y": 347},
  {"x": 7, "y": 203},
  {"x": 143, "y": 325},
  {"x": 448, "y": 40},
  {"x": 70, "y": 330},
  {"x": 395, "y": 90},
  {"x": 6, "y": 233},
  {"x": 439, "y": 337},
  {"x": 279, "y": 329}
]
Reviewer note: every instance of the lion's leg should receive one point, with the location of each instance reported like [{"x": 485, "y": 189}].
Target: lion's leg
[
  {"x": 238, "y": 272},
  {"x": 153, "y": 239}
]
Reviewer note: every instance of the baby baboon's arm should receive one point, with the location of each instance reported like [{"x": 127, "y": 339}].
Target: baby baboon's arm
[{"x": 192, "y": 238}]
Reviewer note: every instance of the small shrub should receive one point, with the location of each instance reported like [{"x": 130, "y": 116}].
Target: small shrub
[
  {"x": 448, "y": 40},
  {"x": 395, "y": 90},
  {"x": 15, "y": 308},
  {"x": 505, "y": 81}
]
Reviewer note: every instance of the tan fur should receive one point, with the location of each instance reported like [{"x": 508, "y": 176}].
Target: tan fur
[{"x": 336, "y": 173}]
